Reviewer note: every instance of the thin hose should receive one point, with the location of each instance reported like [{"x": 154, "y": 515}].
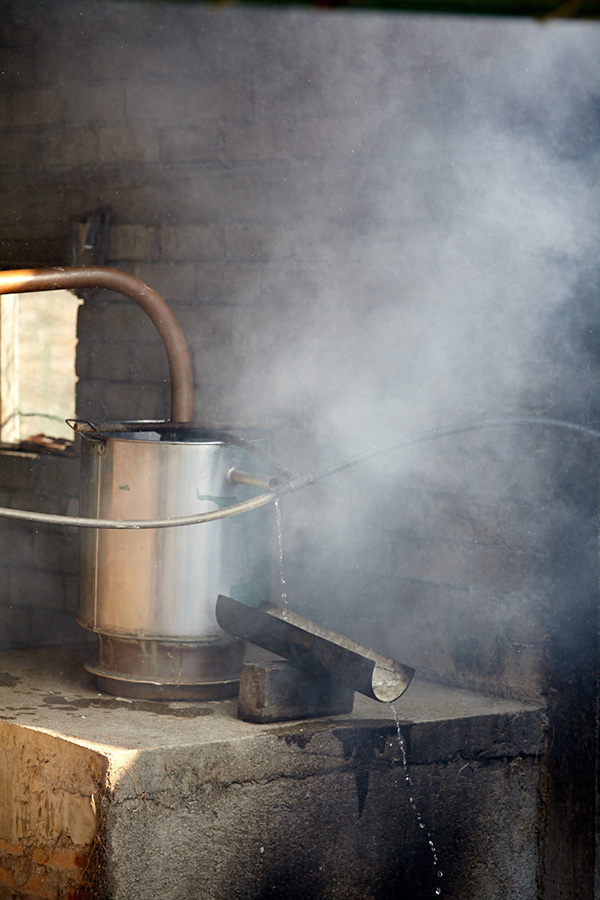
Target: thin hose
[
  {"x": 484, "y": 425},
  {"x": 298, "y": 483},
  {"x": 198, "y": 519}
]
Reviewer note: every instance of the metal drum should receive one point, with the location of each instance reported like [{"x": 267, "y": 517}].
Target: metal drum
[{"x": 150, "y": 595}]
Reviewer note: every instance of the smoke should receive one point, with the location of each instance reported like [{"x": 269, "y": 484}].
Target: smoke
[
  {"x": 466, "y": 223},
  {"x": 436, "y": 257}
]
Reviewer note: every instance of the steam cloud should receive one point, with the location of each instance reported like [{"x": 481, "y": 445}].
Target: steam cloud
[
  {"x": 443, "y": 254},
  {"x": 437, "y": 260}
]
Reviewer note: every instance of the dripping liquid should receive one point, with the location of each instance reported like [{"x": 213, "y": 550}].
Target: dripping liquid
[
  {"x": 411, "y": 800},
  {"x": 283, "y": 594}
]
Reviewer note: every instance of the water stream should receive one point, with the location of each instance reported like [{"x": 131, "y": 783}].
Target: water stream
[
  {"x": 283, "y": 593},
  {"x": 282, "y": 579},
  {"x": 413, "y": 804}
]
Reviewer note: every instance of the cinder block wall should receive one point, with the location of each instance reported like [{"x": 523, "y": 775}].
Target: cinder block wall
[
  {"x": 39, "y": 569},
  {"x": 245, "y": 156}
]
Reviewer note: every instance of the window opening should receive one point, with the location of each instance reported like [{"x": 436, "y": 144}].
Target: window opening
[{"x": 38, "y": 340}]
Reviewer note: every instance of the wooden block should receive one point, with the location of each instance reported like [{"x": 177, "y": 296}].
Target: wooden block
[{"x": 278, "y": 691}]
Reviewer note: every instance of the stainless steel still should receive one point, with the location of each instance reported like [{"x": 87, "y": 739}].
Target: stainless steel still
[{"x": 150, "y": 595}]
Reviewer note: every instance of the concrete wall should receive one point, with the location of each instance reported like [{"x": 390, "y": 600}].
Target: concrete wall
[
  {"x": 111, "y": 799},
  {"x": 40, "y": 563}
]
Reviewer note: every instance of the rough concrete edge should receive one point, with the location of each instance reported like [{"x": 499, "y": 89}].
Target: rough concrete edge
[{"x": 94, "y": 871}]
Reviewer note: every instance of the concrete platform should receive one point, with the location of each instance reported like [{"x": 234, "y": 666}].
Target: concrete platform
[{"x": 145, "y": 800}]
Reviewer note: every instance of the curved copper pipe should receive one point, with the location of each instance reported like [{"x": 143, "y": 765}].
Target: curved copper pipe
[{"x": 163, "y": 319}]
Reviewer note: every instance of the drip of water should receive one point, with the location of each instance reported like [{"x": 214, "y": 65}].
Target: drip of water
[
  {"x": 282, "y": 579},
  {"x": 411, "y": 787}
]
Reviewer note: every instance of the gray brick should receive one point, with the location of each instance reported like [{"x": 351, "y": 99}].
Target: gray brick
[
  {"x": 5, "y": 111},
  {"x": 32, "y": 253},
  {"x": 19, "y": 149},
  {"x": 187, "y": 101},
  {"x": 242, "y": 283},
  {"x": 220, "y": 98},
  {"x": 255, "y": 241},
  {"x": 16, "y": 471},
  {"x": 210, "y": 283},
  {"x": 264, "y": 194},
  {"x": 200, "y": 144},
  {"x": 133, "y": 242},
  {"x": 483, "y": 569},
  {"x": 139, "y": 401},
  {"x": 206, "y": 326},
  {"x": 174, "y": 282},
  {"x": 108, "y": 361},
  {"x": 70, "y": 148},
  {"x": 56, "y": 550},
  {"x": 187, "y": 242},
  {"x": 495, "y": 570},
  {"x": 16, "y": 542},
  {"x": 214, "y": 369},
  {"x": 441, "y": 565},
  {"x": 105, "y": 319},
  {"x": 28, "y": 586},
  {"x": 152, "y": 59},
  {"x": 341, "y": 91},
  {"x": 18, "y": 34},
  {"x": 71, "y": 600},
  {"x": 522, "y": 619},
  {"x": 328, "y": 137},
  {"x": 60, "y": 476},
  {"x": 290, "y": 283},
  {"x": 46, "y": 499},
  {"x": 98, "y": 61},
  {"x": 53, "y": 626},
  {"x": 304, "y": 96},
  {"x": 98, "y": 103},
  {"x": 252, "y": 328},
  {"x": 127, "y": 144},
  {"x": 16, "y": 67},
  {"x": 426, "y": 516},
  {"x": 14, "y": 620},
  {"x": 156, "y": 101},
  {"x": 38, "y": 106},
  {"x": 251, "y": 140},
  {"x": 148, "y": 363},
  {"x": 91, "y": 401}
]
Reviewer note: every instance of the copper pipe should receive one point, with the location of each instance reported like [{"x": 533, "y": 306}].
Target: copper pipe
[{"x": 178, "y": 356}]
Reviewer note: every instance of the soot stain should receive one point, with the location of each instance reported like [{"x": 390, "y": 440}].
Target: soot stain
[
  {"x": 158, "y": 707},
  {"x": 8, "y": 680},
  {"x": 361, "y": 747},
  {"x": 301, "y": 739}
]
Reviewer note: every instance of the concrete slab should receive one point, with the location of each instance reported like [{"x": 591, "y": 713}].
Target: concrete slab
[{"x": 115, "y": 798}]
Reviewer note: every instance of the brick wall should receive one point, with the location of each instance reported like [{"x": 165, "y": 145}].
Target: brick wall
[
  {"x": 274, "y": 175},
  {"x": 39, "y": 563}
]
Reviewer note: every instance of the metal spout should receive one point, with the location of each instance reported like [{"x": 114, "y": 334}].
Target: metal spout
[
  {"x": 268, "y": 483},
  {"x": 317, "y": 649}
]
